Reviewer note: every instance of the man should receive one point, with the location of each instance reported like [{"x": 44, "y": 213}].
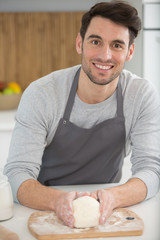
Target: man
[{"x": 76, "y": 125}]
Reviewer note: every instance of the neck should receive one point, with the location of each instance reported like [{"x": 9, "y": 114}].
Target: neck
[{"x": 92, "y": 93}]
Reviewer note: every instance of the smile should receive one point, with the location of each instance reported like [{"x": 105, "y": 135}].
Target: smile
[{"x": 103, "y": 67}]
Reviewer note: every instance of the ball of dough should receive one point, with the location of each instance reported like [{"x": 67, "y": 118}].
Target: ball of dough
[{"x": 86, "y": 212}]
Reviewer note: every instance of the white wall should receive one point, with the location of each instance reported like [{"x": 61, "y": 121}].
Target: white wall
[{"x": 136, "y": 64}]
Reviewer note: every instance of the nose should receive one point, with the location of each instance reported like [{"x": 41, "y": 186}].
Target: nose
[{"x": 106, "y": 53}]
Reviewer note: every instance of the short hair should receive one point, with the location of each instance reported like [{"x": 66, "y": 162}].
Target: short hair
[{"x": 120, "y": 12}]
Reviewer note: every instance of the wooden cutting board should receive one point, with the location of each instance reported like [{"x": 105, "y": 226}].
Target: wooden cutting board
[{"x": 123, "y": 222}]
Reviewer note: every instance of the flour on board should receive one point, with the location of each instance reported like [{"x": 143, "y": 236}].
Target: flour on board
[{"x": 48, "y": 223}]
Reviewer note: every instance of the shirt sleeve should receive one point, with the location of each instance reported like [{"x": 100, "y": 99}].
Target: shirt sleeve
[
  {"x": 145, "y": 139},
  {"x": 28, "y": 139}
]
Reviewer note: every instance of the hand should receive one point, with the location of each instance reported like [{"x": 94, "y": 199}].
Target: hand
[
  {"x": 106, "y": 200},
  {"x": 63, "y": 207}
]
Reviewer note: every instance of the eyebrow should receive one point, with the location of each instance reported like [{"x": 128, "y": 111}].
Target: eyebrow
[
  {"x": 119, "y": 41},
  {"x": 99, "y": 37},
  {"x": 94, "y": 36}
]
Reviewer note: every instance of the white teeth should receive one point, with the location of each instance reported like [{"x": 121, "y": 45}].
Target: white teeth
[{"x": 103, "y": 67}]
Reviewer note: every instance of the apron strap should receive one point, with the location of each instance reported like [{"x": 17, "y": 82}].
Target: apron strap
[
  {"x": 119, "y": 100},
  {"x": 71, "y": 96}
]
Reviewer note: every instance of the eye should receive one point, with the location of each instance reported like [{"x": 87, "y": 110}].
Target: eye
[
  {"x": 95, "y": 42},
  {"x": 116, "y": 45}
]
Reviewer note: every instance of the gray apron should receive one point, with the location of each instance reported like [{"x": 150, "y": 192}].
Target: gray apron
[{"x": 85, "y": 156}]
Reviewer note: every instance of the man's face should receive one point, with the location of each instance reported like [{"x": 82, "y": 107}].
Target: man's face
[{"x": 104, "y": 50}]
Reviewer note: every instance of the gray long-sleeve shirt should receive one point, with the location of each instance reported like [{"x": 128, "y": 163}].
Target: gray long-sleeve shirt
[{"x": 43, "y": 103}]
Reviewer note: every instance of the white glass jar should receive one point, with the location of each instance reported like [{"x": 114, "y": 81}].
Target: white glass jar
[{"x": 6, "y": 199}]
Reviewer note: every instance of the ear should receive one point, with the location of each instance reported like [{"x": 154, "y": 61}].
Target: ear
[
  {"x": 79, "y": 44},
  {"x": 130, "y": 52}
]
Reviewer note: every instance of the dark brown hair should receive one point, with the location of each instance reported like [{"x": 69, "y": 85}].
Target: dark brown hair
[{"x": 117, "y": 11}]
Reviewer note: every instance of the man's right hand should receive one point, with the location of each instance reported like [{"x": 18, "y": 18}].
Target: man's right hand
[{"x": 63, "y": 206}]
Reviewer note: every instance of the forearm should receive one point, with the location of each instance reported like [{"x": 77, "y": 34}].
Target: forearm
[
  {"x": 33, "y": 194},
  {"x": 130, "y": 193}
]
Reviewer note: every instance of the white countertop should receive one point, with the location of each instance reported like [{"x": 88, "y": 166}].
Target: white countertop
[
  {"x": 148, "y": 210},
  {"x": 7, "y": 121}
]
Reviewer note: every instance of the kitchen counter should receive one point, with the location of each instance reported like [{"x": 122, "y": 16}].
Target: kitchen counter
[{"x": 148, "y": 210}]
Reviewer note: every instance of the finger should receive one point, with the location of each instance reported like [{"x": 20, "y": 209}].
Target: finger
[
  {"x": 94, "y": 195},
  {"x": 103, "y": 206},
  {"x": 71, "y": 196},
  {"x": 66, "y": 214},
  {"x": 69, "y": 221},
  {"x": 64, "y": 208},
  {"x": 81, "y": 194}
]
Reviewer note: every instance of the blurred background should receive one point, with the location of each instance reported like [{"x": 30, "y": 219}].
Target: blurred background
[{"x": 38, "y": 37}]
